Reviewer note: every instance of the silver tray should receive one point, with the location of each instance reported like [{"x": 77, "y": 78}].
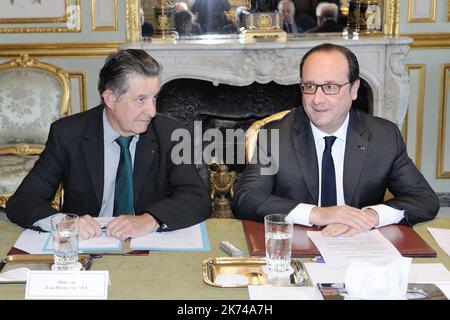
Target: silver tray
[
  {"x": 252, "y": 268},
  {"x": 35, "y": 262},
  {"x": 415, "y": 291}
]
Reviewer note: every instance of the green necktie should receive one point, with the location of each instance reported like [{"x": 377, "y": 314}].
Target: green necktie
[{"x": 123, "y": 195}]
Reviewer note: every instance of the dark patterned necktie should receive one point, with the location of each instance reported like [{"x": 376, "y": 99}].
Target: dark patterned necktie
[
  {"x": 328, "y": 197},
  {"x": 123, "y": 194}
]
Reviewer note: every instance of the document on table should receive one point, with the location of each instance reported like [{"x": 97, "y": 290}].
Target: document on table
[
  {"x": 370, "y": 246},
  {"x": 442, "y": 237},
  {"x": 283, "y": 293},
  {"x": 35, "y": 242},
  {"x": 193, "y": 238},
  {"x": 103, "y": 244},
  {"x": 32, "y": 241},
  {"x": 435, "y": 273}
]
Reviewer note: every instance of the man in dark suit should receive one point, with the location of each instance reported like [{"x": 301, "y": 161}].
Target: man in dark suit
[
  {"x": 333, "y": 164},
  {"x": 83, "y": 153},
  {"x": 294, "y": 22}
]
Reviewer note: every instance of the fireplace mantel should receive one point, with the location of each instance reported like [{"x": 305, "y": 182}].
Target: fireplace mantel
[{"x": 382, "y": 64}]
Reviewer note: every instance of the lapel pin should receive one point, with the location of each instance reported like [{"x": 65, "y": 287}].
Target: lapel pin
[{"x": 362, "y": 148}]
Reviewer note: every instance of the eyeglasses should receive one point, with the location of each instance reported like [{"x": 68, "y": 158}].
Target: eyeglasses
[{"x": 327, "y": 88}]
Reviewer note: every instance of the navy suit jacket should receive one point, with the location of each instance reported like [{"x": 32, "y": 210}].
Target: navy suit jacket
[
  {"x": 375, "y": 160},
  {"x": 73, "y": 155}
]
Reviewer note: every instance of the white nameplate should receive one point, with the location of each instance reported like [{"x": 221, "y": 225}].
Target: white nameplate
[{"x": 68, "y": 285}]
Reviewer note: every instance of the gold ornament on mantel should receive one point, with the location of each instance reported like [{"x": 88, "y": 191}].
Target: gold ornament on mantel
[
  {"x": 164, "y": 11},
  {"x": 222, "y": 183}
]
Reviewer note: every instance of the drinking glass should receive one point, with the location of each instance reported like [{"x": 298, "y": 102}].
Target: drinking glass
[
  {"x": 278, "y": 235},
  {"x": 65, "y": 241}
]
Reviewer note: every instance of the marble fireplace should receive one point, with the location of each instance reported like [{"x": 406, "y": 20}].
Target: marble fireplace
[{"x": 225, "y": 83}]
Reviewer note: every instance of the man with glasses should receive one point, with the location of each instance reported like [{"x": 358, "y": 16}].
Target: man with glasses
[{"x": 334, "y": 163}]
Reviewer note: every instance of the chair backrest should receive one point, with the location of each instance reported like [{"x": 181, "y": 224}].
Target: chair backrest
[
  {"x": 33, "y": 94},
  {"x": 251, "y": 135}
]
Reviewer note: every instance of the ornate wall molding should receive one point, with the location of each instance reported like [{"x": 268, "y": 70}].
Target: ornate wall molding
[
  {"x": 429, "y": 40},
  {"x": 133, "y": 23},
  {"x": 391, "y": 12},
  {"x": 60, "y": 49},
  {"x": 442, "y": 172},
  {"x": 417, "y": 106}
]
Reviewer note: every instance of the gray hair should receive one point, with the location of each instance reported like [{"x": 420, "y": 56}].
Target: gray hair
[
  {"x": 291, "y": 5},
  {"x": 120, "y": 65},
  {"x": 327, "y": 11}
]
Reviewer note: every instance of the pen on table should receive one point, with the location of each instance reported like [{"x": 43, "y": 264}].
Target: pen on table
[{"x": 318, "y": 259}]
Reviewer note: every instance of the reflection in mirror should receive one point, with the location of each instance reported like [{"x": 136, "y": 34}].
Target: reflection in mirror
[{"x": 192, "y": 18}]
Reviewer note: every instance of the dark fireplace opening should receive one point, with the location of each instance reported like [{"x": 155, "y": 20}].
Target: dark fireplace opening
[{"x": 235, "y": 107}]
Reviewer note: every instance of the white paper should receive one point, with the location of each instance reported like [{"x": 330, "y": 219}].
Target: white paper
[
  {"x": 14, "y": 275},
  {"x": 32, "y": 241},
  {"x": 65, "y": 285},
  {"x": 369, "y": 246},
  {"x": 283, "y": 293},
  {"x": 445, "y": 288},
  {"x": 442, "y": 237},
  {"x": 325, "y": 273},
  {"x": 435, "y": 273},
  {"x": 374, "y": 282},
  {"x": 96, "y": 244},
  {"x": 183, "y": 239}
]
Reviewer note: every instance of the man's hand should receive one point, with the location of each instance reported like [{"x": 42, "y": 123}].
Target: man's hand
[
  {"x": 126, "y": 226},
  {"x": 346, "y": 215},
  {"x": 88, "y": 228},
  {"x": 338, "y": 229}
]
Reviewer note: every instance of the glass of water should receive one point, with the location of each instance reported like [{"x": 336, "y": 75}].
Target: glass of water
[
  {"x": 65, "y": 241},
  {"x": 278, "y": 235}
]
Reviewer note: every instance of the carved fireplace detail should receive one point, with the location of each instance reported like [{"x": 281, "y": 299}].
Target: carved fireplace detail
[{"x": 382, "y": 65}]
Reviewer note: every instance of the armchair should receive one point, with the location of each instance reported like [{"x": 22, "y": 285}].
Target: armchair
[
  {"x": 251, "y": 135},
  {"x": 33, "y": 94}
]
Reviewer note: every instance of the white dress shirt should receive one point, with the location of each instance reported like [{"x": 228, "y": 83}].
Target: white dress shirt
[{"x": 300, "y": 214}]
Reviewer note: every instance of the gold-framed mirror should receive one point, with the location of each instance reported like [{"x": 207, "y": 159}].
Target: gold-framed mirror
[{"x": 142, "y": 11}]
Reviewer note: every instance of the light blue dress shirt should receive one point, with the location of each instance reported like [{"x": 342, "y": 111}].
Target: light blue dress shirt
[{"x": 111, "y": 162}]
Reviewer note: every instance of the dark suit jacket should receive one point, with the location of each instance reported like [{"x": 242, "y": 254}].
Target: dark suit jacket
[
  {"x": 375, "y": 159},
  {"x": 73, "y": 155},
  {"x": 327, "y": 26}
]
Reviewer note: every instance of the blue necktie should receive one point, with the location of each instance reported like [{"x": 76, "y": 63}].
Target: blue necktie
[
  {"x": 123, "y": 195},
  {"x": 328, "y": 197}
]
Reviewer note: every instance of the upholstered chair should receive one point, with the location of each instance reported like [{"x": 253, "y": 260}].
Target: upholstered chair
[
  {"x": 251, "y": 135},
  {"x": 33, "y": 94}
]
